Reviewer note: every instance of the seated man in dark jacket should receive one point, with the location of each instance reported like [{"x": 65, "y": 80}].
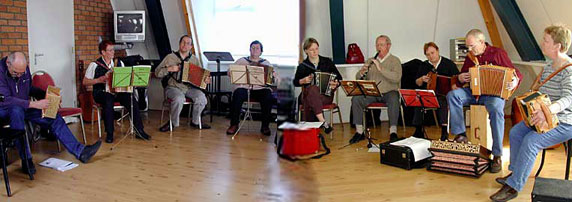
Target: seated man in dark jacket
[
  {"x": 16, "y": 86},
  {"x": 442, "y": 66}
]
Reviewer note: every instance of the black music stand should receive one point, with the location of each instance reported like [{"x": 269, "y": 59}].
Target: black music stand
[
  {"x": 425, "y": 99},
  {"x": 218, "y": 56}
]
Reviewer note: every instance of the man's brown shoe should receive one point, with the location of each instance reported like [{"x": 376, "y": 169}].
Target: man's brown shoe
[
  {"x": 496, "y": 165},
  {"x": 461, "y": 139},
  {"x": 231, "y": 130},
  {"x": 506, "y": 193},
  {"x": 502, "y": 180}
]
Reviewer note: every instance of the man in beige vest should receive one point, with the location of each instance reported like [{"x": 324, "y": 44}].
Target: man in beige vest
[{"x": 385, "y": 69}]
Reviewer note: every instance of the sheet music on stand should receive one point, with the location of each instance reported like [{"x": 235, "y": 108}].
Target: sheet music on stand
[
  {"x": 360, "y": 87},
  {"x": 246, "y": 74}
]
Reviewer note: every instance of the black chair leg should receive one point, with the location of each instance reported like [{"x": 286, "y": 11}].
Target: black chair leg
[
  {"x": 4, "y": 169},
  {"x": 541, "y": 163},
  {"x": 27, "y": 146},
  {"x": 569, "y": 154}
]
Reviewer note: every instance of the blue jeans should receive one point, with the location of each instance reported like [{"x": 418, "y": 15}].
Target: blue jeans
[
  {"x": 525, "y": 144},
  {"x": 494, "y": 105},
  {"x": 18, "y": 115}
]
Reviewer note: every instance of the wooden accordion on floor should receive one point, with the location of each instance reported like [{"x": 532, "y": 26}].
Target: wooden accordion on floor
[
  {"x": 531, "y": 101},
  {"x": 459, "y": 158},
  {"x": 491, "y": 80}
]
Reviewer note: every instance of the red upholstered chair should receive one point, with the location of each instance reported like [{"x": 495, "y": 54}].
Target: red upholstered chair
[
  {"x": 379, "y": 105},
  {"x": 41, "y": 80},
  {"x": 332, "y": 108}
]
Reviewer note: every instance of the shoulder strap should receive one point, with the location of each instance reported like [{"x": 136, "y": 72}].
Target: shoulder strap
[{"x": 536, "y": 87}]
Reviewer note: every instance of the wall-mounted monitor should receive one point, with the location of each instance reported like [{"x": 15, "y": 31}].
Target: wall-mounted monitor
[{"x": 129, "y": 26}]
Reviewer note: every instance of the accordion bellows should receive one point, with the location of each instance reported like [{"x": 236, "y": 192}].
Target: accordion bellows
[
  {"x": 459, "y": 158},
  {"x": 531, "y": 101},
  {"x": 491, "y": 80}
]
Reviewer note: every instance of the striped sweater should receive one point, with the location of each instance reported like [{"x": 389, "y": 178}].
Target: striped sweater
[{"x": 559, "y": 89}]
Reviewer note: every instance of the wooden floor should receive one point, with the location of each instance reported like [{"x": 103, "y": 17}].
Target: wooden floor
[{"x": 207, "y": 165}]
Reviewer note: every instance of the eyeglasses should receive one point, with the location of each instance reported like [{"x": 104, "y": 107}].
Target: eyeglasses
[{"x": 16, "y": 74}]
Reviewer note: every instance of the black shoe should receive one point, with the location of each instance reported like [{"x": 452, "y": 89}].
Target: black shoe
[
  {"x": 141, "y": 134},
  {"x": 203, "y": 126},
  {"x": 109, "y": 138},
  {"x": 357, "y": 137},
  {"x": 418, "y": 132},
  {"x": 393, "y": 137},
  {"x": 28, "y": 170},
  {"x": 327, "y": 128},
  {"x": 166, "y": 127},
  {"x": 266, "y": 131},
  {"x": 89, "y": 151}
]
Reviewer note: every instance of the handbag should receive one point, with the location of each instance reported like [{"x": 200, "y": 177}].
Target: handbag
[
  {"x": 355, "y": 56},
  {"x": 302, "y": 144}
]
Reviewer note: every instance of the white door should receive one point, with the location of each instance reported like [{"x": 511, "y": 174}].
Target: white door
[{"x": 51, "y": 43}]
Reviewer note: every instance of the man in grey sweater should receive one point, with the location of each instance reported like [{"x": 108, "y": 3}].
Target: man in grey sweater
[
  {"x": 176, "y": 91},
  {"x": 385, "y": 69}
]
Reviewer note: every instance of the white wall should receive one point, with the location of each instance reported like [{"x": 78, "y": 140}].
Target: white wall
[
  {"x": 541, "y": 13},
  {"x": 409, "y": 24}
]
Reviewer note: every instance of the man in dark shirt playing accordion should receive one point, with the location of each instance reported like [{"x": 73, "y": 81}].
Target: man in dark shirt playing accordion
[{"x": 483, "y": 54}]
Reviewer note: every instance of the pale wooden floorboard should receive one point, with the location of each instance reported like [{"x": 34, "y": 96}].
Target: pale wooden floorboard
[{"x": 207, "y": 165}]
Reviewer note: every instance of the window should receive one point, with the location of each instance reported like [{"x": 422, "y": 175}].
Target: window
[{"x": 230, "y": 25}]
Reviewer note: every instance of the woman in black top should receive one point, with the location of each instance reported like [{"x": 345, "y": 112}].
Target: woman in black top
[
  {"x": 311, "y": 98},
  {"x": 444, "y": 67}
]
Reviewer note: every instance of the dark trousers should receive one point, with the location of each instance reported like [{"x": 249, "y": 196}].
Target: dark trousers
[
  {"x": 442, "y": 112},
  {"x": 18, "y": 117},
  {"x": 263, "y": 96},
  {"x": 313, "y": 102},
  {"x": 106, "y": 101}
]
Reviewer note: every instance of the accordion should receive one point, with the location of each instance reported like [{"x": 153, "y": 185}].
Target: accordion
[
  {"x": 531, "y": 101},
  {"x": 322, "y": 80},
  {"x": 194, "y": 75},
  {"x": 459, "y": 158},
  {"x": 440, "y": 84},
  {"x": 491, "y": 80}
]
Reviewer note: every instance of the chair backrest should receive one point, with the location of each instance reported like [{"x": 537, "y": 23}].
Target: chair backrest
[{"x": 41, "y": 79}]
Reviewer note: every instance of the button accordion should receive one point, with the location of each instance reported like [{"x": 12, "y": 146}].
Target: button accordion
[
  {"x": 491, "y": 80},
  {"x": 459, "y": 158},
  {"x": 194, "y": 75},
  {"x": 440, "y": 84},
  {"x": 531, "y": 101},
  {"x": 322, "y": 80}
]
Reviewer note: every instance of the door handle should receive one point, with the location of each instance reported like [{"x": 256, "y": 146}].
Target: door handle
[{"x": 36, "y": 55}]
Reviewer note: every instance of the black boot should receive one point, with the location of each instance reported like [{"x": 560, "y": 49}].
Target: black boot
[
  {"x": 109, "y": 138},
  {"x": 418, "y": 132},
  {"x": 444, "y": 133}
]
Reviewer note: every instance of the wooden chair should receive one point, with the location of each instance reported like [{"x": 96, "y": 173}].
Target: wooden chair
[{"x": 379, "y": 106}]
